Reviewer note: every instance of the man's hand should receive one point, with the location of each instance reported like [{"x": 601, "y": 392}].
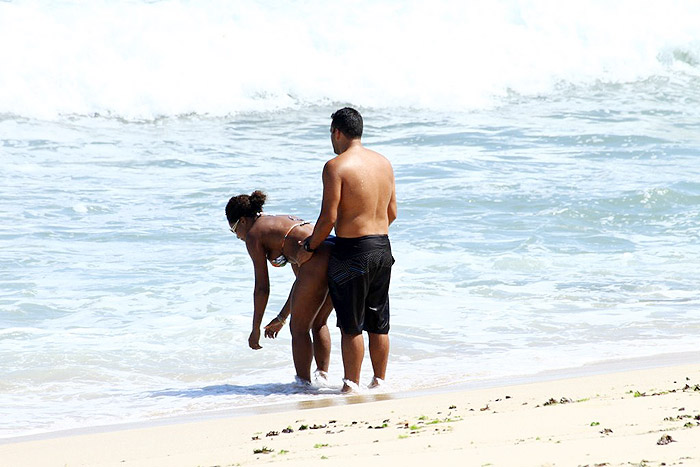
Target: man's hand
[
  {"x": 254, "y": 339},
  {"x": 303, "y": 255},
  {"x": 273, "y": 328}
]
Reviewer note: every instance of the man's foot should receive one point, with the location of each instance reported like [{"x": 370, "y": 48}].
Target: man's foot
[{"x": 349, "y": 387}]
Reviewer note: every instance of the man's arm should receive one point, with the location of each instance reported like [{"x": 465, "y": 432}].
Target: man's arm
[
  {"x": 391, "y": 210},
  {"x": 329, "y": 206},
  {"x": 329, "y": 209}
]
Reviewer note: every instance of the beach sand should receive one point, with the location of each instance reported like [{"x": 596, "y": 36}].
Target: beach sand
[{"x": 646, "y": 417}]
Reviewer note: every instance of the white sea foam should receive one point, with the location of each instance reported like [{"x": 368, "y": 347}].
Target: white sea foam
[{"x": 139, "y": 59}]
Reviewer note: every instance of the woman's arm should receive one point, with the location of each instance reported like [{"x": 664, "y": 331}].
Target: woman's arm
[
  {"x": 273, "y": 327},
  {"x": 261, "y": 293}
]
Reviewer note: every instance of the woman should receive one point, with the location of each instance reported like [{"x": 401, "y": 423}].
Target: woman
[{"x": 275, "y": 239}]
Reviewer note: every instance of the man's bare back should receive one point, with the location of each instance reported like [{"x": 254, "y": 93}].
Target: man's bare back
[{"x": 367, "y": 202}]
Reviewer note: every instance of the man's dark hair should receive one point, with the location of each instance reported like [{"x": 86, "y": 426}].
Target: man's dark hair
[{"x": 348, "y": 121}]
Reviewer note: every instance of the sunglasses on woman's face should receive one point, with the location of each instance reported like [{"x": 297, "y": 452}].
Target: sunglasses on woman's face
[{"x": 235, "y": 224}]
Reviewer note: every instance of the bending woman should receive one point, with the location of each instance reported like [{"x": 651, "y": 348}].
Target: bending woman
[{"x": 275, "y": 239}]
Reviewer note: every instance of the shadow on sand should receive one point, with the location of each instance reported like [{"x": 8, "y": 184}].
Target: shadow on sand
[{"x": 246, "y": 390}]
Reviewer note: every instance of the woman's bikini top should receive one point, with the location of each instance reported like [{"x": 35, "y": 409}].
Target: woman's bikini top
[{"x": 282, "y": 260}]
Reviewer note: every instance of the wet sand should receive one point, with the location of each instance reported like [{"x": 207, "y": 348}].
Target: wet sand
[{"x": 645, "y": 417}]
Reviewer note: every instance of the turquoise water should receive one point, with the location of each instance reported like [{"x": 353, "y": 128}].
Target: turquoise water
[{"x": 540, "y": 227}]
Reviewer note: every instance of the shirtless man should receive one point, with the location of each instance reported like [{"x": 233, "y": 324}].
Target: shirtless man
[{"x": 359, "y": 200}]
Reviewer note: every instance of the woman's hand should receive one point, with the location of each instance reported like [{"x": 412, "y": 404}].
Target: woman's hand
[
  {"x": 254, "y": 339},
  {"x": 273, "y": 328}
]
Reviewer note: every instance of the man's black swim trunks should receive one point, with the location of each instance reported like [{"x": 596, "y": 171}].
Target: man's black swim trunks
[{"x": 359, "y": 271}]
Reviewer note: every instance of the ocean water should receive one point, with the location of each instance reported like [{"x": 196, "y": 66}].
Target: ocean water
[{"x": 547, "y": 160}]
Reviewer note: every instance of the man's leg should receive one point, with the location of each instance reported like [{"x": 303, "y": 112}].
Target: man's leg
[
  {"x": 379, "y": 354},
  {"x": 377, "y": 316},
  {"x": 353, "y": 350}
]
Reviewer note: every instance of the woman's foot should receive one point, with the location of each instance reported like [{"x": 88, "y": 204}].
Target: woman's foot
[
  {"x": 376, "y": 383},
  {"x": 321, "y": 378},
  {"x": 302, "y": 382},
  {"x": 349, "y": 387}
]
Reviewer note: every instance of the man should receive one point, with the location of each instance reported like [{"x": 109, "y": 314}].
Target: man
[{"x": 359, "y": 200}]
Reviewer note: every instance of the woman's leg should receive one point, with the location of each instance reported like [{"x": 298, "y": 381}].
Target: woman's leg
[
  {"x": 322, "y": 336},
  {"x": 307, "y": 299}
]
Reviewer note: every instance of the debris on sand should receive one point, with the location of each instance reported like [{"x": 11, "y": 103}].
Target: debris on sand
[{"x": 665, "y": 439}]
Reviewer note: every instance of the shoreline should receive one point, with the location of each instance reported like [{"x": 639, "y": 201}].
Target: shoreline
[
  {"x": 335, "y": 400},
  {"x": 608, "y": 418}
]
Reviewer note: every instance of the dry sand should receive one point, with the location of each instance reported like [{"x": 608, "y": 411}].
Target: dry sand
[{"x": 642, "y": 418}]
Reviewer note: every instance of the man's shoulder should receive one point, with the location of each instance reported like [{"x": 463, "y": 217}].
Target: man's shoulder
[
  {"x": 341, "y": 161},
  {"x": 332, "y": 166},
  {"x": 350, "y": 162},
  {"x": 375, "y": 157},
  {"x": 357, "y": 156}
]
